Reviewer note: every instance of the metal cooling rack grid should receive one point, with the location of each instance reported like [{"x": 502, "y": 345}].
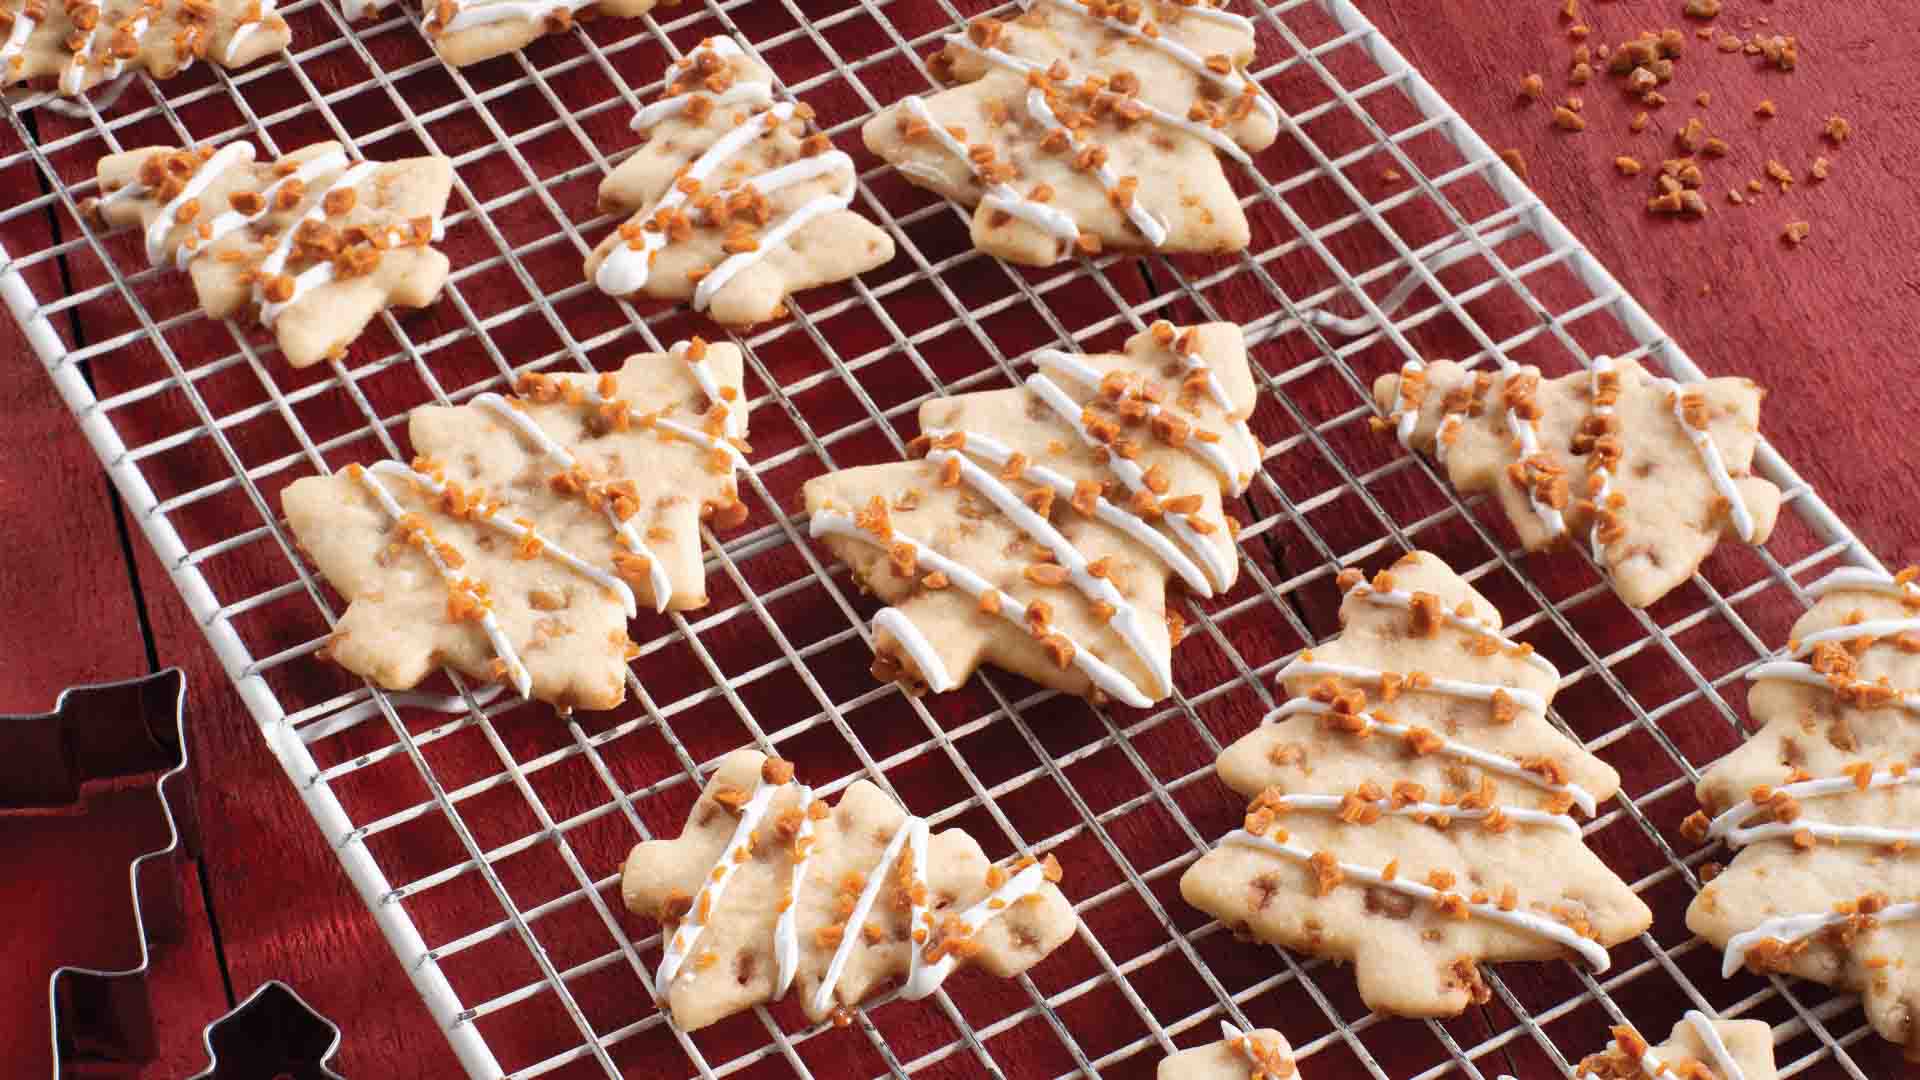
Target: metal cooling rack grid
[{"x": 422, "y": 804}]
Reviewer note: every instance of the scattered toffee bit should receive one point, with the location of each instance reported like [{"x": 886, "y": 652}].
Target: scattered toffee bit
[
  {"x": 1766, "y": 109},
  {"x": 1515, "y": 161},
  {"x": 1838, "y": 130},
  {"x": 1639, "y": 123},
  {"x": 1628, "y": 166},
  {"x": 1534, "y": 88},
  {"x": 1566, "y": 119},
  {"x": 1820, "y": 170},
  {"x": 1796, "y": 233},
  {"x": 1703, "y": 9}
]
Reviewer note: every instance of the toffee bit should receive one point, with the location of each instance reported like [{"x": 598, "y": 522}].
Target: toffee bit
[
  {"x": 1567, "y": 119},
  {"x": 1796, "y": 233},
  {"x": 1838, "y": 130}
]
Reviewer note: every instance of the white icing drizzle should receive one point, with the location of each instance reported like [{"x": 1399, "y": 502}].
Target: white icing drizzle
[
  {"x": 591, "y": 395},
  {"x": 626, "y": 270},
  {"x": 467, "y": 16},
  {"x": 786, "y": 928},
  {"x": 734, "y": 419},
  {"x": 921, "y": 651},
  {"x": 1405, "y": 419},
  {"x": 1473, "y": 755},
  {"x": 1192, "y": 362},
  {"x": 1788, "y": 929},
  {"x": 245, "y": 30},
  {"x": 73, "y": 78},
  {"x": 163, "y": 224},
  {"x": 1444, "y": 434},
  {"x": 1868, "y": 628},
  {"x": 999, "y": 194},
  {"x": 1233, "y": 82},
  {"x": 517, "y": 672},
  {"x": 745, "y": 92},
  {"x": 1858, "y": 579},
  {"x": 1212, "y": 136},
  {"x": 16, "y": 42},
  {"x": 1409, "y": 284},
  {"x": 1150, "y": 227},
  {"x": 1097, "y": 671},
  {"x": 1459, "y": 688},
  {"x": 136, "y": 28},
  {"x": 1743, "y": 524},
  {"x": 1521, "y": 430},
  {"x": 1795, "y": 671},
  {"x": 276, "y": 259},
  {"x": 1518, "y": 814},
  {"x": 1602, "y": 367},
  {"x": 230, "y": 220},
  {"x": 1069, "y": 410},
  {"x": 1204, "y": 10},
  {"x": 1730, "y": 825},
  {"x": 629, "y": 537},
  {"x": 793, "y": 172},
  {"x": 910, "y": 835},
  {"x": 1400, "y": 598},
  {"x": 1717, "y": 1048},
  {"x": 713, "y": 886},
  {"x": 1656, "y": 1068},
  {"x": 997, "y": 453},
  {"x": 1126, "y": 618},
  {"x": 518, "y": 531},
  {"x": 1591, "y": 951},
  {"x": 1245, "y": 1044}
]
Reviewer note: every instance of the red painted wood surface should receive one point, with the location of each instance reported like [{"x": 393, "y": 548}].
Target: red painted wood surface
[{"x": 1828, "y": 327}]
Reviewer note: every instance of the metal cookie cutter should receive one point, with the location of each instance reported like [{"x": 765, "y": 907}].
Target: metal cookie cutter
[
  {"x": 117, "y": 730},
  {"x": 274, "y": 1033}
]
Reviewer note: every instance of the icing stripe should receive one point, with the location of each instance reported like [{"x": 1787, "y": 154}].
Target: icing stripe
[
  {"x": 1459, "y": 688},
  {"x": 999, "y": 195},
  {"x": 1248, "y": 1048},
  {"x": 919, "y": 649},
  {"x": 1656, "y": 1068},
  {"x": 516, "y": 671},
  {"x": 16, "y": 42},
  {"x": 520, "y": 532},
  {"x": 1859, "y": 579},
  {"x": 230, "y": 220},
  {"x": 1591, "y": 951},
  {"x": 1089, "y": 378},
  {"x": 163, "y": 224},
  {"x": 924, "y": 979},
  {"x": 1233, "y": 82},
  {"x": 680, "y": 943},
  {"x": 1491, "y": 762},
  {"x": 1097, "y": 671},
  {"x": 735, "y": 420},
  {"x": 1129, "y": 471},
  {"x": 1795, "y": 671},
  {"x": 1602, "y": 367},
  {"x": 1730, "y": 824},
  {"x": 276, "y": 259},
  {"x": 1205, "y": 133},
  {"x": 630, "y": 538},
  {"x": 1400, "y": 598},
  {"x": 1405, "y": 419},
  {"x": 786, "y": 929},
  {"x": 471, "y": 15},
  {"x": 245, "y": 30},
  {"x": 1519, "y": 814},
  {"x": 997, "y": 453},
  {"x": 759, "y": 94},
  {"x": 591, "y": 395},
  {"x": 1522, "y": 431},
  {"x": 1868, "y": 628},
  {"x": 1788, "y": 929},
  {"x": 1126, "y": 618},
  {"x": 1150, "y": 227},
  {"x": 626, "y": 270},
  {"x": 1743, "y": 524},
  {"x": 785, "y": 176}
]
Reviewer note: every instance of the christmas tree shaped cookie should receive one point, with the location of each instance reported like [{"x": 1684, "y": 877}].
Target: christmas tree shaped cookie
[
  {"x": 1822, "y": 804},
  {"x": 469, "y": 31},
  {"x": 1699, "y": 1049},
  {"x": 1411, "y": 805},
  {"x": 1079, "y": 127},
  {"x": 530, "y": 529},
  {"x": 734, "y": 205},
  {"x": 1042, "y": 524},
  {"x": 313, "y": 245},
  {"x": 770, "y": 889},
  {"x": 1254, "y": 1055},
  {"x": 1650, "y": 474},
  {"x": 81, "y": 43}
]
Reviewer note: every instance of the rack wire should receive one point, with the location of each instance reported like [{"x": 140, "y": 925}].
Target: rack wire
[{"x": 485, "y": 835}]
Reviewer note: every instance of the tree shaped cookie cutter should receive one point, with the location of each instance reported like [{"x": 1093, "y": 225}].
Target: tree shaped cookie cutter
[
  {"x": 274, "y": 1032},
  {"x": 98, "y": 732}
]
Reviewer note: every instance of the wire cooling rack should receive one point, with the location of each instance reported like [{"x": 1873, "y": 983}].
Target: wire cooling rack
[{"x": 485, "y": 835}]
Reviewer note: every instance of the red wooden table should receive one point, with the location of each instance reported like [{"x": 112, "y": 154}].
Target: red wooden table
[{"x": 1828, "y": 326}]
